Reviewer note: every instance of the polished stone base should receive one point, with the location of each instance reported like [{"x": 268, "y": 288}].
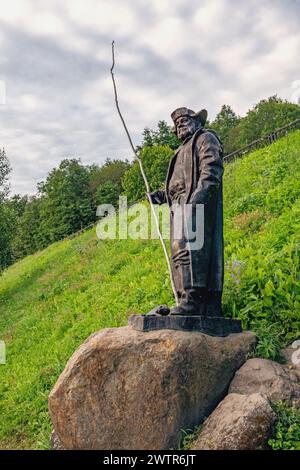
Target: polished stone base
[{"x": 213, "y": 326}]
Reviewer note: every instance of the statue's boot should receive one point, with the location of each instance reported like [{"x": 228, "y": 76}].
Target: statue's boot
[
  {"x": 214, "y": 304},
  {"x": 191, "y": 303}
]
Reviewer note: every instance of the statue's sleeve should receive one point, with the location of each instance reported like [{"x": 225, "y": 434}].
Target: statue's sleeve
[
  {"x": 209, "y": 151},
  {"x": 159, "y": 197}
]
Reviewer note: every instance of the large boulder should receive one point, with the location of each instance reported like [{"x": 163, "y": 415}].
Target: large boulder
[
  {"x": 238, "y": 423},
  {"x": 125, "y": 389},
  {"x": 268, "y": 378}
]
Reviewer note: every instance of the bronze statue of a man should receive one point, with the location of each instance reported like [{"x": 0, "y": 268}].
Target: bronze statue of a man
[{"x": 195, "y": 177}]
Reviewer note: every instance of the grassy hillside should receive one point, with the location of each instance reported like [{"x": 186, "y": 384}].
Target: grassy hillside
[{"x": 51, "y": 301}]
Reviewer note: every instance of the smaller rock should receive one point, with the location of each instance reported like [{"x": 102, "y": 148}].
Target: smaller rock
[
  {"x": 292, "y": 356},
  {"x": 238, "y": 423},
  {"x": 268, "y": 378}
]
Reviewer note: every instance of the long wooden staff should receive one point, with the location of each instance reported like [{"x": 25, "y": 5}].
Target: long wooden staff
[{"x": 143, "y": 174}]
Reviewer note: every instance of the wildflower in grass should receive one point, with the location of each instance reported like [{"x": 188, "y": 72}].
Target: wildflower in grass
[{"x": 235, "y": 268}]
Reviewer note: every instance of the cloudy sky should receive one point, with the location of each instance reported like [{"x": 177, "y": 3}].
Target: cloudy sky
[{"x": 55, "y": 58}]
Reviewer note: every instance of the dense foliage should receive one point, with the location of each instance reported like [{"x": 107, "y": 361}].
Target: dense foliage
[
  {"x": 155, "y": 161},
  {"x": 65, "y": 201},
  {"x": 225, "y": 121},
  {"x": 262, "y": 222},
  {"x": 4, "y": 173},
  {"x": 164, "y": 135},
  {"x": 105, "y": 181},
  {"x": 6, "y": 236},
  {"x": 286, "y": 433}
]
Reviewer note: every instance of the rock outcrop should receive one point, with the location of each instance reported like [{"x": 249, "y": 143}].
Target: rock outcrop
[
  {"x": 274, "y": 381},
  {"x": 238, "y": 423},
  {"x": 124, "y": 389}
]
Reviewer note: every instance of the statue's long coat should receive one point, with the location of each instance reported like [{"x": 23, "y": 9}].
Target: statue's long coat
[{"x": 203, "y": 170}]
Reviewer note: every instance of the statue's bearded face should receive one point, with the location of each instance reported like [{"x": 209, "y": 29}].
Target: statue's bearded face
[{"x": 185, "y": 127}]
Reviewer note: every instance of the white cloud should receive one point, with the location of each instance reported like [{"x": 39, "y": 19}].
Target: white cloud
[
  {"x": 16, "y": 12},
  {"x": 167, "y": 37},
  {"x": 107, "y": 17},
  {"x": 29, "y": 102},
  {"x": 164, "y": 7},
  {"x": 55, "y": 59},
  {"x": 209, "y": 17}
]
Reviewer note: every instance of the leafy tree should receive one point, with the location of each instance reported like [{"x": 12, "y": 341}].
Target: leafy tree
[
  {"x": 6, "y": 228},
  {"x": 162, "y": 136},
  {"x": 5, "y": 170},
  {"x": 224, "y": 122},
  {"x": 18, "y": 204},
  {"x": 264, "y": 118},
  {"x": 156, "y": 150},
  {"x": 108, "y": 193},
  {"x": 6, "y": 234},
  {"x": 66, "y": 204},
  {"x": 105, "y": 181},
  {"x": 28, "y": 237},
  {"x": 12, "y": 212},
  {"x": 112, "y": 170},
  {"x": 155, "y": 160}
]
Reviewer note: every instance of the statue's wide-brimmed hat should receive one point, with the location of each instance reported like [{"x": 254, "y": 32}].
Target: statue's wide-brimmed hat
[{"x": 179, "y": 112}]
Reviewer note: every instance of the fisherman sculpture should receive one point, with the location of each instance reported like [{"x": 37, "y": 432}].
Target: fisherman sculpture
[{"x": 195, "y": 177}]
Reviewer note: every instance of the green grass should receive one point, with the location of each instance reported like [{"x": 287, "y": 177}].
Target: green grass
[
  {"x": 51, "y": 301},
  {"x": 286, "y": 431}
]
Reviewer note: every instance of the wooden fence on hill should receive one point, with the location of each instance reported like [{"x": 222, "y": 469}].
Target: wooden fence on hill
[{"x": 263, "y": 141}]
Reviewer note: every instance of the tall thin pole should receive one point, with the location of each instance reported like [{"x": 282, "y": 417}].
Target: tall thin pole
[{"x": 143, "y": 174}]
